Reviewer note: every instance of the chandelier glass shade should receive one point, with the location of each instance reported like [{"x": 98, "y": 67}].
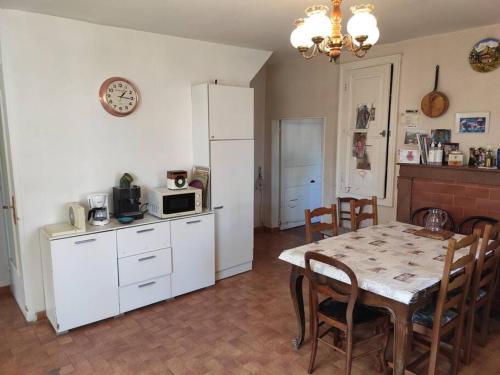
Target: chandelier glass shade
[{"x": 320, "y": 33}]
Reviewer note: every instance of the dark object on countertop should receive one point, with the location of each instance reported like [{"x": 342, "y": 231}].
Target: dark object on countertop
[
  {"x": 126, "y": 180},
  {"x": 126, "y": 219},
  {"x": 126, "y": 202}
]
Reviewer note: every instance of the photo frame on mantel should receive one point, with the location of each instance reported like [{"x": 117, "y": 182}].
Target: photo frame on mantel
[{"x": 472, "y": 122}]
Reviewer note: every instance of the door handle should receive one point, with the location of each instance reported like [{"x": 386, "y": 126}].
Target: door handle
[
  {"x": 294, "y": 200},
  {"x": 13, "y": 207},
  {"x": 218, "y": 208},
  {"x": 383, "y": 133},
  {"x": 194, "y": 222},
  {"x": 146, "y": 230},
  {"x": 146, "y": 258},
  {"x": 85, "y": 241},
  {"x": 312, "y": 181},
  {"x": 147, "y": 284}
]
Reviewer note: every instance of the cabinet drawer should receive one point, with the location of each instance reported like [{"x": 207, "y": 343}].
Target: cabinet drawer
[
  {"x": 144, "y": 293},
  {"x": 144, "y": 266},
  {"x": 137, "y": 240}
]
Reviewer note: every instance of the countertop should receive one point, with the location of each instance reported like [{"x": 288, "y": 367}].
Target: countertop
[{"x": 116, "y": 225}]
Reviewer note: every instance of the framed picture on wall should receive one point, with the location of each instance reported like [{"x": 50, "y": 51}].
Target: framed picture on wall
[{"x": 472, "y": 122}]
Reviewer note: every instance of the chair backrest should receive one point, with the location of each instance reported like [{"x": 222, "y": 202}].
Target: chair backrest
[
  {"x": 418, "y": 218},
  {"x": 328, "y": 287},
  {"x": 344, "y": 215},
  {"x": 312, "y": 228},
  {"x": 486, "y": 271},
  {"x": 457, "y": 275},
  {"x": 467, "y": 225},
  {"x": 359, "y": 214}
]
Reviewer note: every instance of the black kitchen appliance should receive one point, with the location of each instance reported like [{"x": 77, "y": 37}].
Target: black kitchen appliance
[{"x": 126, "y": 202}]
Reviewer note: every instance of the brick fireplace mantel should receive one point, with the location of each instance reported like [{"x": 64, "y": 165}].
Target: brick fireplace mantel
[{"x": 462, "y": 191}]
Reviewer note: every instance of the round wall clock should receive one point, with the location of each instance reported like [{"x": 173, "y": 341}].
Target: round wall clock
[
  {"x": 119, "y": 96},
  {"x": 485, "y": 55}
]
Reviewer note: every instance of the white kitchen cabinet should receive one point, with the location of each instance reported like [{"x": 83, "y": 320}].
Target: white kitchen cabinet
[
  {"x": 80, "y": 279},
  {"x": 223, "y": 141},
  {"x": 232, "y": 200},
  {"x": 140, "y": 239},
  {"x": 144, "y": 293},
  {"x": 231, "y": 112},
  {"x": 137, "y": 268},
  {"x": 193, "y": 254}
]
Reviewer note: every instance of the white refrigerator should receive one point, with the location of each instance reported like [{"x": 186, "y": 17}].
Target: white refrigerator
[{"x": 223, "y": 141}]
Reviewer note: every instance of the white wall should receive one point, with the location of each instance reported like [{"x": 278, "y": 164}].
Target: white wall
[
  {"x": 65, "y": 145},
  {"x": 297, "y": 88}
]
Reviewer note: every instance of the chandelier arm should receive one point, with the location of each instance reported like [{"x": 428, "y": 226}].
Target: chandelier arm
[{"x": 313, "y": 53}]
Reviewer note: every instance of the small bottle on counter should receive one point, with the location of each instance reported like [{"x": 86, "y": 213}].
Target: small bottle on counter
[
  {"x": 498, "y": 158},
  {"x": 431, "y": 160},
  {"x": 488, "y": 160},
  {"x": 439, "y": 154}
]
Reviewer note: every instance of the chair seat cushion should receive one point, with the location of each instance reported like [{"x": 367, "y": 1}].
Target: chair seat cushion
[
  {"x": 425, "y": 316},
  {"x": 361, "y": 314}
]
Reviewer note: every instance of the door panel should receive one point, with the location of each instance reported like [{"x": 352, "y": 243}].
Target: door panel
[
  {"x": 367, "y": 88},
  {"x": 301, "y": 169},
  {"x": 231, "y": 112},
  {"x": 232, "y": 200}
]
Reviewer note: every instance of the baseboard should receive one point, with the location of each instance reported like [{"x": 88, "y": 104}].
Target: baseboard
[
  {"x": 228, "y": 272},
  {"x": 5, "y": 290},
  {"x": 41, "y": 316}
]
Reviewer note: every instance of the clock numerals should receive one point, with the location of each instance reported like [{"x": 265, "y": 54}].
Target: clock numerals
[{"x": 119, "y": 97}]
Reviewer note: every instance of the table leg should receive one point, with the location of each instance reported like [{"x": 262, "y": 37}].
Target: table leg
[
  {"x": 296, "y": 278},
  {"x": 402, "y": 332}
]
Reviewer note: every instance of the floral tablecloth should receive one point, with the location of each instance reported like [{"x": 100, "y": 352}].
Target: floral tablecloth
[{"x": 388, "y": 259}]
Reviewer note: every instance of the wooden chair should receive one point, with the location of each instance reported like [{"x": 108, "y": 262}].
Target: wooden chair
[
  {"x": 341, "y": 315},
  {"x": 445, "y": 318},
  {"x": 467, "y": 225},
  {"x": 344, "y": 215},
  {"x": 483, "y": 287},
  {"x": 330, "y": 229},
  {"x": 418, "y": 217},
  {"x": 358, "y": 213}
]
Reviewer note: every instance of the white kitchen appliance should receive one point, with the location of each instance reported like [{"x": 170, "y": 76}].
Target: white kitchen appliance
[
  {"x": 76, "y": 216},
  {"x": 223, "y": 141},
  {"x": 165, "y": 203},
  {"x": 98, "y": 209}
]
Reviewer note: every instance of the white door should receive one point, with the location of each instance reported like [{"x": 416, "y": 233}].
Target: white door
[
  {"x": 301, "y": 169},
  {"x": 231, "y": 112},
  {"x": 85, "y": 276},
  {"x": 193, "y": 254},
  {"x": 364, "y": 131},
  {"x": 9, "y": 212},
  {"x": 232, "y": 200}
]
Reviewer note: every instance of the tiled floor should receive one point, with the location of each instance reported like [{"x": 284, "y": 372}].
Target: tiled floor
[{"x": 243, "y": 325}]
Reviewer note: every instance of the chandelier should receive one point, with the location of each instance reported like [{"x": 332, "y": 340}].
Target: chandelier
[{"x": 320, "y": 34}]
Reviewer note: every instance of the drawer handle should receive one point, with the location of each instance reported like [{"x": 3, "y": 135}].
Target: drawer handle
[
  {"x": 147, "y": 284},
  {"x": 218, "y": 208},
  {"x": 146, "y": 258},
  {"x": 85, "y": 241},
  {"x": 146, "y": 230},
  {"x": 194, "y": 222}
]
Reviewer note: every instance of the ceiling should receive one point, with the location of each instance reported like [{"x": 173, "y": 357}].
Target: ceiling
[{"x": 263, "y": 24}]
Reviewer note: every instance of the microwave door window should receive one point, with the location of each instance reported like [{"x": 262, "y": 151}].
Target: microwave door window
[{"x": 173, "y": 204}]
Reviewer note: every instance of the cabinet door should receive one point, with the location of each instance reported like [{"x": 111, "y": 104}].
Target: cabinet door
[
  {"x": 232, "y": 201},
  {"x": 193, "y": 258},
  {"x": 85, "y": 278},
  {"x": 231, "y": 112}
]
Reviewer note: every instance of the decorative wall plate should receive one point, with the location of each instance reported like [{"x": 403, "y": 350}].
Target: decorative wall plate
[{"x": 485, "y": 55}]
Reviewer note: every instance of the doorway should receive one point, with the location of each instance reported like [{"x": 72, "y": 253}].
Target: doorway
[{"x": 300, "y": 169}]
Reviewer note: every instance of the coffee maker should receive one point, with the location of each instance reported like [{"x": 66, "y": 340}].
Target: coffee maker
[
  {"x": 98, "y": 209},
  {"x": 126, "y": 202}
]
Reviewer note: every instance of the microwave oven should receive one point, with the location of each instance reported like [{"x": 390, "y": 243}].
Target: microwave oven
[{"x": 165, "y": 203}]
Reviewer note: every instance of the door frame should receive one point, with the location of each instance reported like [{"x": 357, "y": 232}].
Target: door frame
[
  {"x": 276, "y": 166},
  {"x": 393, "y": 119}
]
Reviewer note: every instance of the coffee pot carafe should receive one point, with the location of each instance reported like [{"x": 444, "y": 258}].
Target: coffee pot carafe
[{"x": 98, "y": 209}]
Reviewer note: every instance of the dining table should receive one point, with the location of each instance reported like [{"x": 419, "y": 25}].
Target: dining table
[{"x": 396, "y": 269}]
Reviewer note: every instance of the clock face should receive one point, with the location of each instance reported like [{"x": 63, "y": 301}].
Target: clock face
[{"x": 119, "y": 96}]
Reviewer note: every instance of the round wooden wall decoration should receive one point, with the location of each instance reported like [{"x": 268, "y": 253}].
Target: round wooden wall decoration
[
  {"x": 485, "y": 55},
  {"x": 119, "y": 96},
  {"x": 435, "y": 103}
]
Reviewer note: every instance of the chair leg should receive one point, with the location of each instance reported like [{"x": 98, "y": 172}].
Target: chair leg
[
  {"x": 485, "y": 323},
  {"x": 433, "y": 356},
  {"x": 348, "y": 358},
  {"x": 469, "y": 333},
  {"x": 314, "y": 342},
  {"x": 457, "y": 347}
]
